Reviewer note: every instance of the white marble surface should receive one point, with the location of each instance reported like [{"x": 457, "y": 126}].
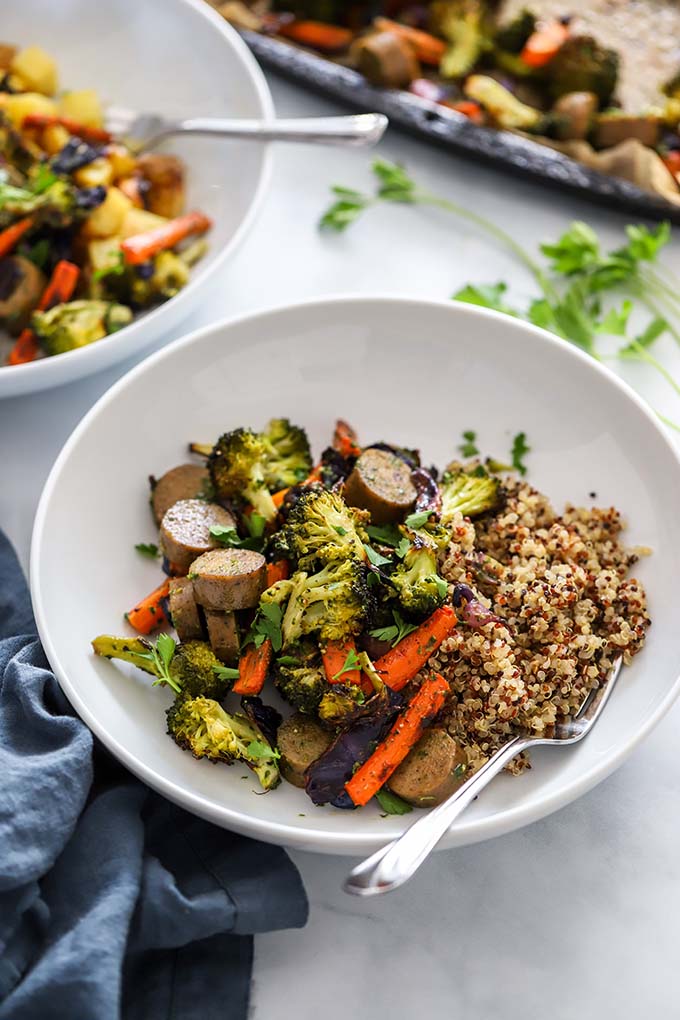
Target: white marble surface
[{"x": 574, "y": 917}]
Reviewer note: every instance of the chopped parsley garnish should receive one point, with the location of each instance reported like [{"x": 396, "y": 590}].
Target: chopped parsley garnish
[
  {"x": 267, "y": 624},
  {"x": 351, "y": 663},
  {"x": 340, "y": 530},
  {"x": 115, "y": 268},
  {"x": 418, "y": 519},
  {"x": 396, "y": 631},
  {"x": 468, "y": 447},
  {"x": 519, "y": 451},
  {"x": 149, "y": 549},
  {"x": 258, "y": 749},
  {"x": 226, "y": 672},
  {"x": 375, "y": 557},
  {"x": 230, "y": 537},
  {"x": 161, "y": 655},
  {"x": 391, "y": 804}
]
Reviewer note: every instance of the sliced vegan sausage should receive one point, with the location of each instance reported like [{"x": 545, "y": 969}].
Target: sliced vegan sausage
[
  {"x": 185, "y": 530},
  {"x": 183, "y": 482},
  {"x": 223, "y": 635},
  {"x": 301, "y": 741},
  {"x": 228, "y": 579},
  {"x": 431, "y": 772},
  {"x": 184, "y": 611},
  {"x": 165, "y": 175},
  {"x": 381, "y": 483}
]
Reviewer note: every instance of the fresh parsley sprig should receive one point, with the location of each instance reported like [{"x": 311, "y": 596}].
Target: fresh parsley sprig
[
  {"x": 161, "y": 655},
  {"x": 149, "y": 549},
  {"x": 352, "y": 662},
  {"x": 395, "y": 631},
  {"x": 576, "y": 275}
]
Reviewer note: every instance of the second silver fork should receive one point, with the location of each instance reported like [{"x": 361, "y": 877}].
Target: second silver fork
[{"x": 395, "y": 863}]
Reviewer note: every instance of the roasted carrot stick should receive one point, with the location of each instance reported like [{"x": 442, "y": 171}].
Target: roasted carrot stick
[
  {"x": 317, "y": 35},
  {"x": 403, "y": 736},
  {"x": 85, "y": 131},
  {"x": 428, "y": 48},
  {"x": 11, "y": 236},
  {"x": 141, "y": 247},
  {"x": 543, "y": 44},
  {"x": 345, "y": 439},
  {"x": 334, "y": 657},
  {"x": 60, "y": 288},
  {"x": 148, "y": 614},
  {"x": 278, "y": 497},
  {"x": 468, "y": 108},
  {"x": 252, "y": 668},
  {"x": 277, "y": 572},
  {"x": 406, "y": 659}
]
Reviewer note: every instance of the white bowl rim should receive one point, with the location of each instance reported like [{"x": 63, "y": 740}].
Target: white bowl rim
[
  {"x": 276, "y": 832},
  {"x": 34, "y": 372}
]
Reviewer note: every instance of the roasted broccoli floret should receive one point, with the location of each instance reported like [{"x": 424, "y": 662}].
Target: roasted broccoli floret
[
  {"x": 582, "y": 65},
  {"x": 470, "y": 493},
  {"x": 288, "y": 459},
  {"x": 418, "y": 586},
  {"x": 54, "y": 206},
  {"x": 201, "y": 725},
  {"x": 75, "y": 324},
  {"x": 300, "y": 679},
  {"x": 332, "y": 604},
  {"x": 191, "y": 669},
  {"x": 462, "y": 25},
  {"x": 158, "y": 280},
  {"x": 321, "y": 528},
  {"x": 505, "y": 109},
  {"x": 236, "y": 465},
  {"x": 340, "y": 704}
]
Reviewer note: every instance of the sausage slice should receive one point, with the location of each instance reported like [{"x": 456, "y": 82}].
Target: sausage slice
[
  {"x": 431, "y": 772},
  {"x": 223, "y": 635},
  {"x": 185, "y": 530},
  {"x": 228, "y": 579},
  {"x": 183, "y": 482},
  {"x": 381, "y": 483},
  {"x": 301, "y": 741},
  {"x": 184, "y": 611}
]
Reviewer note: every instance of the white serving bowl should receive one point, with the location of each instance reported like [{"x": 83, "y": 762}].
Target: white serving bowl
[
  {"x": 175, "y": 57},
  {"x": 413, "y": 372}
]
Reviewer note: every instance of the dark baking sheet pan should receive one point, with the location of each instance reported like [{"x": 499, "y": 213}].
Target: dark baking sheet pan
[{"x": 453, "y": 131}]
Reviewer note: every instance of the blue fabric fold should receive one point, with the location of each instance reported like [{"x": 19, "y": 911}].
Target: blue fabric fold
[{"x": 114, "y": 903}]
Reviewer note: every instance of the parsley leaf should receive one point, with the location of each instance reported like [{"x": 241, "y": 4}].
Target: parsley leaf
[
  {"x": 519, "y": 452},
  {"x": 418, "y": 519},
  {"x": 351, "y": 663},
  {"x": 38, "y": 253},
  {"x": 267, "y": 624},
  {"x": 161, "y": 655},
  {"x": 258, "y": 749},
  {"x": 576, "y": 250},
  {"x": 394, "y": 184},
  {"x": 486, "y": 296},
  {"x": 394, "y": 633},
  {"x": 653, "y": 330},
  {"x": 391, "y": 804},
  {"x": 44, "y": 178},
  {"x": 115, "y": 268},
  {"x": 226, "y": 672},
  {"x": 348, "y": 207},
  {"x": 375, "y": 557},
  {"x": 148, "y": 549},
  {"x": 386, "y": 534},
  {"x": 230, "y": 537},
  {"x": 255, "y": 524},
  {"x": 468, "y": 447}
]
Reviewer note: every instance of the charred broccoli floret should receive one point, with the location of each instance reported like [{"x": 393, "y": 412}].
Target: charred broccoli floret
[
  {"x": 332, "y": 604},
  {"x": 582, "y": 65},
  {"x": 470, "y": 493},
  {"x": 419, "y": 587},
  {"x": 201, "y": 725},
  {"x": 321, "y": 528},
  {"x": 190, "y": 669},
  {"x": 75, "y": 324},
  {"x": 236, "y": 465},
  {"x": 462, "y": 25},
  {"x": 300, "y": 678},
  {"x": 158, "y": 280},
  {"x": 54, "y": 206},
  {"x": 288, "y": 459},
  {"x": 340, "y": 704}
]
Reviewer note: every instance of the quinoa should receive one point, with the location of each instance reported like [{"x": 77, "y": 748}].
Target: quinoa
[{"x": 565, "y": 610}]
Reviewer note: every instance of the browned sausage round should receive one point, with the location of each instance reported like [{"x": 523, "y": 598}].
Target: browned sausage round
[
  {"x": 301, "y": 741},
  {"x": 184, "y": 611},
  {"x": 21, "y": 285},
  {"x": 165, "y": 175},
  {"x": 223, "y": 635},
  {"x": 183, "y": 482},
  {"x": 381, "y": 484},
  {"x": 385, "y": 60},
  {"x": 228, "y": 579},
  {"x": 431, "y": 772},
  {"x": 185, "y": 530}
]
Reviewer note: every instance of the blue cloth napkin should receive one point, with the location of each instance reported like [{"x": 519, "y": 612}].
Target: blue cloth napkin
[{"x": 114, "y": 903}]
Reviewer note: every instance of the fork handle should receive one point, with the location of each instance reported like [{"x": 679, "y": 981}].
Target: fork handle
[
  {"x": 395, "y": 863},
  {"x": 362, "y": 129}
]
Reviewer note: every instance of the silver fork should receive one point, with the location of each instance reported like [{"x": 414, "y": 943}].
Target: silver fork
[
  {"x": 145, "y": 130},
  {"x": 395, "y": 863}
]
